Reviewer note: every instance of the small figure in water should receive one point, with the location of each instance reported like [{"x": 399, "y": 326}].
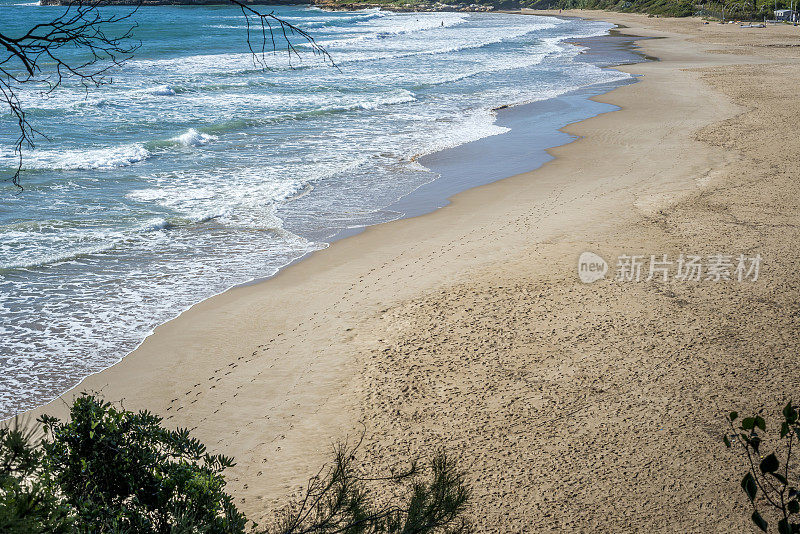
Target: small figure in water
[{"x": 442, "y": 24}]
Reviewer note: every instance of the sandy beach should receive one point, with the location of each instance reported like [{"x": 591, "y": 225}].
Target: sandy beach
[{"x": 584, "y": 407}]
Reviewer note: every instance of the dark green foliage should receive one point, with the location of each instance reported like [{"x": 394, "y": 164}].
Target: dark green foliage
[
  {"x": 109, "y": 470},
  {"x": 28, "y": 504},
  {"x": 740, "y": 9},
  {"x": 121, "y": 470},
  {"x": 767, "y": 483},
  {"x": 666, "y": 8},
  {"x": 437, "y": 503},
  {"x": 732, "y": 9},
  {"x": 339, "y": 500}
]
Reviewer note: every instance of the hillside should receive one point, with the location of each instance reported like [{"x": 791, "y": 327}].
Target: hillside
[{"x": 744, "y": 9}]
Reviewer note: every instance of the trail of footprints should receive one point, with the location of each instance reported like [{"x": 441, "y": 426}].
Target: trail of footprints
[
  {"x": 216, "y": 377},
  {"x": 530, "y": 219}
]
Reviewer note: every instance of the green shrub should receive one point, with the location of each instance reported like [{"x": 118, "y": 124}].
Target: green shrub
[
  {"x": 110, "y": 470},
  {"x": 28, "y": 504},
  {"x": 770, "y": 480},
  {"x": 339, "y": 500},
  {"x": 122, "y": 471}
]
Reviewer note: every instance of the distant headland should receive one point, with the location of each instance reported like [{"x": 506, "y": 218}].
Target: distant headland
[
  {"x": 175, "y": 2},
  {"x": 391, "y": 5}
]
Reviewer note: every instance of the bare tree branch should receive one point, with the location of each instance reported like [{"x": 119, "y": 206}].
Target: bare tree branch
[
  {"x": 40, "y": 57},
  {"x": 263, "y": 23}
]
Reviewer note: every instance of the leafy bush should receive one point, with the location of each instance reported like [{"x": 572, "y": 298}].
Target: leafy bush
[
  {"x": 338, "y": 500},
  {"x": 770, "y": 484},
  {"x": 28, "y": 504},
  {"x": 121, "y": 471},
  {"x": 668, "y": 8},
  {"x": 109, "y": 470}
]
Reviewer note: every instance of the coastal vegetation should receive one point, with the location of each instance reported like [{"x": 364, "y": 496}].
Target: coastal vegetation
[
  {"x": 742, "y": 9},
  {"x": 770, "y": 480},
  {"x": 667, "y": 8},
  {"x": 110, "y": 470}
]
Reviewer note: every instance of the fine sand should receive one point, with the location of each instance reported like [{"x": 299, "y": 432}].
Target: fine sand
[{"x": 575, "y": 407}]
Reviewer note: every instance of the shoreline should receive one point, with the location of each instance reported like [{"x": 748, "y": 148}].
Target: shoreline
[
  {"x": 416, "y": 202},
  {"x": 467, "y": 326},
  {"x": 229, "y": 296}
]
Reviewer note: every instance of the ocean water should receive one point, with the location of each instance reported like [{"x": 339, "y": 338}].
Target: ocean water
[{"x": 196, "y": 170}]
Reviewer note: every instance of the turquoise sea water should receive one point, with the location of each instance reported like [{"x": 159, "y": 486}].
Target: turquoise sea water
[{"x": 196, "y": 170}]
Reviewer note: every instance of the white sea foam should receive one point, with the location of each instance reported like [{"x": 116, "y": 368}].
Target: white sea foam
[
  {"x": 400, "y": 25},
  {"x": 67, "y": 247},
  {"x": 76, "y": 159},
  {"x": 194, "y": 138},
  {"x": 374, "y": 31},
  {"x": 472, "y": 126},
  {"x": 99, "y": 158},
  {"x": 402, "y": 98},
  {"x": 466, "y": 41},
  {"x": 162, "y": 90},
  {"x": 155, "y": 224}
]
